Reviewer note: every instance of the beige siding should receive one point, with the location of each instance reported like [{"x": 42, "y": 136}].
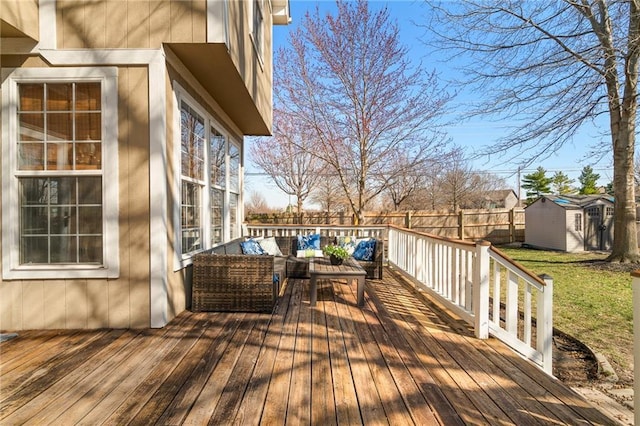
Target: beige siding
[
  {"x": 22, "y": 16},
  {"x": 546, "y": 225},
  {"x": 134, "y": 24},
  {"x": 118, "y": 303}
]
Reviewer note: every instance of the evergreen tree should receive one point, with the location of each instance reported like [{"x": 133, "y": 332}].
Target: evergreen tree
[
  {"x": 562, "y": 184},
  {"x": 588, "y": 180},
  {"x": 536, "y": 184}
]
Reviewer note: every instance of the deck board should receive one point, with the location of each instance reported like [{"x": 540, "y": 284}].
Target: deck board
[{"x": 397, "y": 360}]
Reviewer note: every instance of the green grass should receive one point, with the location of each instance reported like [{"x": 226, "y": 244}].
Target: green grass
[{"x": 593, "y": 304}]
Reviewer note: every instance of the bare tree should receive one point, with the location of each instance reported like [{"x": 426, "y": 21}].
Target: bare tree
[
  {"x": 459, "y": 183},
  {"x": 553, "y": 66},
  {"x": 288, "y": 159},
  {"x": 408, "y": 178},
  {"x": 256, "y": 203},
  {"x": 329, "y": 195},
  {"x": 348, "y": 78}
]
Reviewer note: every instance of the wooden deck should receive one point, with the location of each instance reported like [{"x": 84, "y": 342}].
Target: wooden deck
[{"x": 396, "y": 361}]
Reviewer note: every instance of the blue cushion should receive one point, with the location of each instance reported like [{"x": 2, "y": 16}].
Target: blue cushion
[
  {"x": 251, "y": 247},
  {"x": 311, "y": 241},
  {"x": 365, "y": 250}
]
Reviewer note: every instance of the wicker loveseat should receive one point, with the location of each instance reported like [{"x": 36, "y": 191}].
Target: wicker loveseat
[{"x": 225, "y": 279}]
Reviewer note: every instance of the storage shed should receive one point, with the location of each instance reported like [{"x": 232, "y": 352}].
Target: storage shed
[{"x": 570, "y": 223}]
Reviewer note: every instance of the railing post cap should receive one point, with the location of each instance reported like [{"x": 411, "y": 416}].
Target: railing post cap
[
  {"x": 545, "y": 277},
  {"x": 483, "y": 243},
  {"x": 636, "y": 273}
]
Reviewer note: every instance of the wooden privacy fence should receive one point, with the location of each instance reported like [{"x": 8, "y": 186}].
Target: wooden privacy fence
[{"x": 499, "y": 226}]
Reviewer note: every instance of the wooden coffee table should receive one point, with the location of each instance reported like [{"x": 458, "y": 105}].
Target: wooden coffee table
[{"x": 320, "y": 267}]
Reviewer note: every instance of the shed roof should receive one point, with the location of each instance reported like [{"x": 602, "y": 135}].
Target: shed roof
[{"x": 572, "y": 202}]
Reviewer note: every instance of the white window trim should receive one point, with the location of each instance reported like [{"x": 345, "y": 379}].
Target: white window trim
[
  {"x": 11, "y": 269},
  {"x": 182, "y": 260}
]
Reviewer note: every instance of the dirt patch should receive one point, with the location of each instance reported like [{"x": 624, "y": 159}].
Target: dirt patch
[
  {"x": 573, "y": 362},
  {"x": 602, "y": 265}
]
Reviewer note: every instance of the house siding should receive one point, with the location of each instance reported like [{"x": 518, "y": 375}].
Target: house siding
[
  {"x": 155, "y": 28},
  {"x": 96, "y": 303},
  {"x": 147, "y": 23}
]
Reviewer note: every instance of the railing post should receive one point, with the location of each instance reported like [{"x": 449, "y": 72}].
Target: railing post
[
  {"x": 481, "y": 290},
  {"x": 544, "y": 324},
  {"x": 636, "y": 344}
]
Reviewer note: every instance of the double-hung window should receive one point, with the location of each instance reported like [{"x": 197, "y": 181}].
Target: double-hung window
[
  {"x": 60, "y": 189},
  {"x": 210, "y": 181},
  {"x": 192, "y": 135}
]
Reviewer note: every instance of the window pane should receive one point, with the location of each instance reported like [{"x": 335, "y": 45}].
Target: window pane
[
  {"x": 31, "y": 97},
  {"x": 192, "y": 143},
  {"x": 31, "y": 156},
  {"x": 34, "y": 191},
  {"x": 63, "y": 249},
  {"x": 34, "y": 250},
  {"x": 33, "y": 221},
  {"x": 90, "y": 220},
  {"x": 59, "y": 126},
  {"x": 233, "y": 216},
  {"x": 90, "y": 249},
  {"x": 234, "y": 168},
  {"x": 90, "y": 190},
  {"x": 88, "y": 97},
  {"x": 31, "y": 126},
  {"x": 88, "y": 156},
  {"x": 217, "y": 200},
  {"x": 217, "y": 155},
  {"x": 59, "y": 96},
  {"x": 88, "y": 126},
  {"x": 61, "y": 221},
  {"x": 190, "y": 210},
  {"x": 59, "y": 155}
]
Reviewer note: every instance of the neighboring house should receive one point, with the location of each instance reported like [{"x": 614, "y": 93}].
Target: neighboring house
[
  {"x": 570, "y": 222},
  {"x": 500, "y": 199},
  {"x": 122, "y": 151}
]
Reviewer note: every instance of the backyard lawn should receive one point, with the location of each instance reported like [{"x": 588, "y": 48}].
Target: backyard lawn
[{"x": 592, "y": 301}]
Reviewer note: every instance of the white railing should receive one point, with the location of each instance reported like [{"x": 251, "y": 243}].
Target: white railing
[
  {"x": 481, "y": 285},
  {"x": 475, "y": 280},
  {"x": 272, "y": 230}
]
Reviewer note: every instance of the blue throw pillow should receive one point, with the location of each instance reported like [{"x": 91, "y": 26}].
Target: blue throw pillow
[
  {"x": 311, "y": 241},
  {"x": 251, "y": 247},
  {"x": 365, "y": 250}
]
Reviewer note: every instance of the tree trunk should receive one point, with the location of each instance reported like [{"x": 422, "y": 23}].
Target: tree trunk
[{"x": 625, "y": 238}]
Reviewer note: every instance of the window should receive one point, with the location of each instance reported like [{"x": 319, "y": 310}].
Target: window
[
  {"x": 217, "y": 160},
  {"x": 578, "y": 222},
  {"x": 59, "y": 133},
  {"x": 258, "y": 27},
  {"x": 192, "y": 142},
  {"x": 210, "y": 182}
]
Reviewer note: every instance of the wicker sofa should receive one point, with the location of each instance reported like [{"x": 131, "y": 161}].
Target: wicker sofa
[{"x": 225, "y": 279}]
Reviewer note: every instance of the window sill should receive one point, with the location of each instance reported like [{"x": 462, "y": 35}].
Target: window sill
[{"x": 63, "y": 272}]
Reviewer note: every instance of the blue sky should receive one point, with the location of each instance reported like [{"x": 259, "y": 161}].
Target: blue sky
[{"x": 472, "y": 134}]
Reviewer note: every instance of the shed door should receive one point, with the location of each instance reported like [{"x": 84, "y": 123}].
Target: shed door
[{"x": 598, "y": 228}]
